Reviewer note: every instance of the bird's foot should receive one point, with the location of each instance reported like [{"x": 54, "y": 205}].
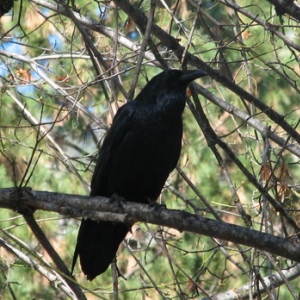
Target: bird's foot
[
  {"x": 156, "y": 206},
  {"x": 119, "y": 200}
]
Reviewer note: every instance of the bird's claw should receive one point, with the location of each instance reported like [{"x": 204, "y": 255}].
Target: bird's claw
[
  {"x": 117, "y": 199},
  {"x": 156, "y": 206}
]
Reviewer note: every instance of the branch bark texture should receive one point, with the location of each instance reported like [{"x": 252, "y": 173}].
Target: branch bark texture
[{"x": 103, "y": 208}]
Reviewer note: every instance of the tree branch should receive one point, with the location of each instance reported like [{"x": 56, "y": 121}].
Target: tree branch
[
  {"x": 54, "y": 278},
  {"x": 103, "y": 208},
  {"x": 141, "y": 20},
  {"x": 90, "y": 24},
  {"x": 243, "y": 292}
]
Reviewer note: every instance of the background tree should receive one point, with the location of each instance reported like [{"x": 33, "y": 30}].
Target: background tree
[{"x": 65, "y": 69}]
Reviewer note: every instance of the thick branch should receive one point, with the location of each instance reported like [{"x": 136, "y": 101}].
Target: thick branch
[{"x": 104, "y": 209}]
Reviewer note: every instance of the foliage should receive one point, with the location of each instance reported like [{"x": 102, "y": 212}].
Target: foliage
[{"x": 66, "y": 67}]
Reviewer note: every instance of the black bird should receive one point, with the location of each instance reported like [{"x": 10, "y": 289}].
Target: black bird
[{"x": 139, "y": 151}]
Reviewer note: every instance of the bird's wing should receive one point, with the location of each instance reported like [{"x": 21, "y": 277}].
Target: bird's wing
[
  {"x": 99, "y": 184},
  {"x": 113, "y": 139}
]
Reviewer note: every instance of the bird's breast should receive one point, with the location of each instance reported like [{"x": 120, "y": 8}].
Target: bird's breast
[{"x": 146, "y": 156}]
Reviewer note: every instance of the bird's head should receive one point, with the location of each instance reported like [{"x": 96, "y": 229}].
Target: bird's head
[{"x": 168, "y": 84}]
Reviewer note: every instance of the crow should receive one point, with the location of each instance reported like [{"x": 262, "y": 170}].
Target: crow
[{"x": 140, "y": 150}]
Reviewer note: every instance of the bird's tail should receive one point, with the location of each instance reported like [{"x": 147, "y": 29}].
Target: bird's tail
[{"x": 97, "y": 244}]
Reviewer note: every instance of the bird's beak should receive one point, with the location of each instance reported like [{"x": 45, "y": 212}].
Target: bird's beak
[{"x": 191, "y": 75}]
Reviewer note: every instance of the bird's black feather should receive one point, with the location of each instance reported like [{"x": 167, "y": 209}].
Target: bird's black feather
[{"x": 140, "y": 150}]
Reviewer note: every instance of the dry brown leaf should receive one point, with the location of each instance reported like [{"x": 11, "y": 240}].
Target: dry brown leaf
[
  {"x": 24, "y": 75},
  {"x": 246, "y": 34},
  {"x": 61, "y": 78},
  {"x": 283, "y": 191},
  {"x": 266, "y": 171}
]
